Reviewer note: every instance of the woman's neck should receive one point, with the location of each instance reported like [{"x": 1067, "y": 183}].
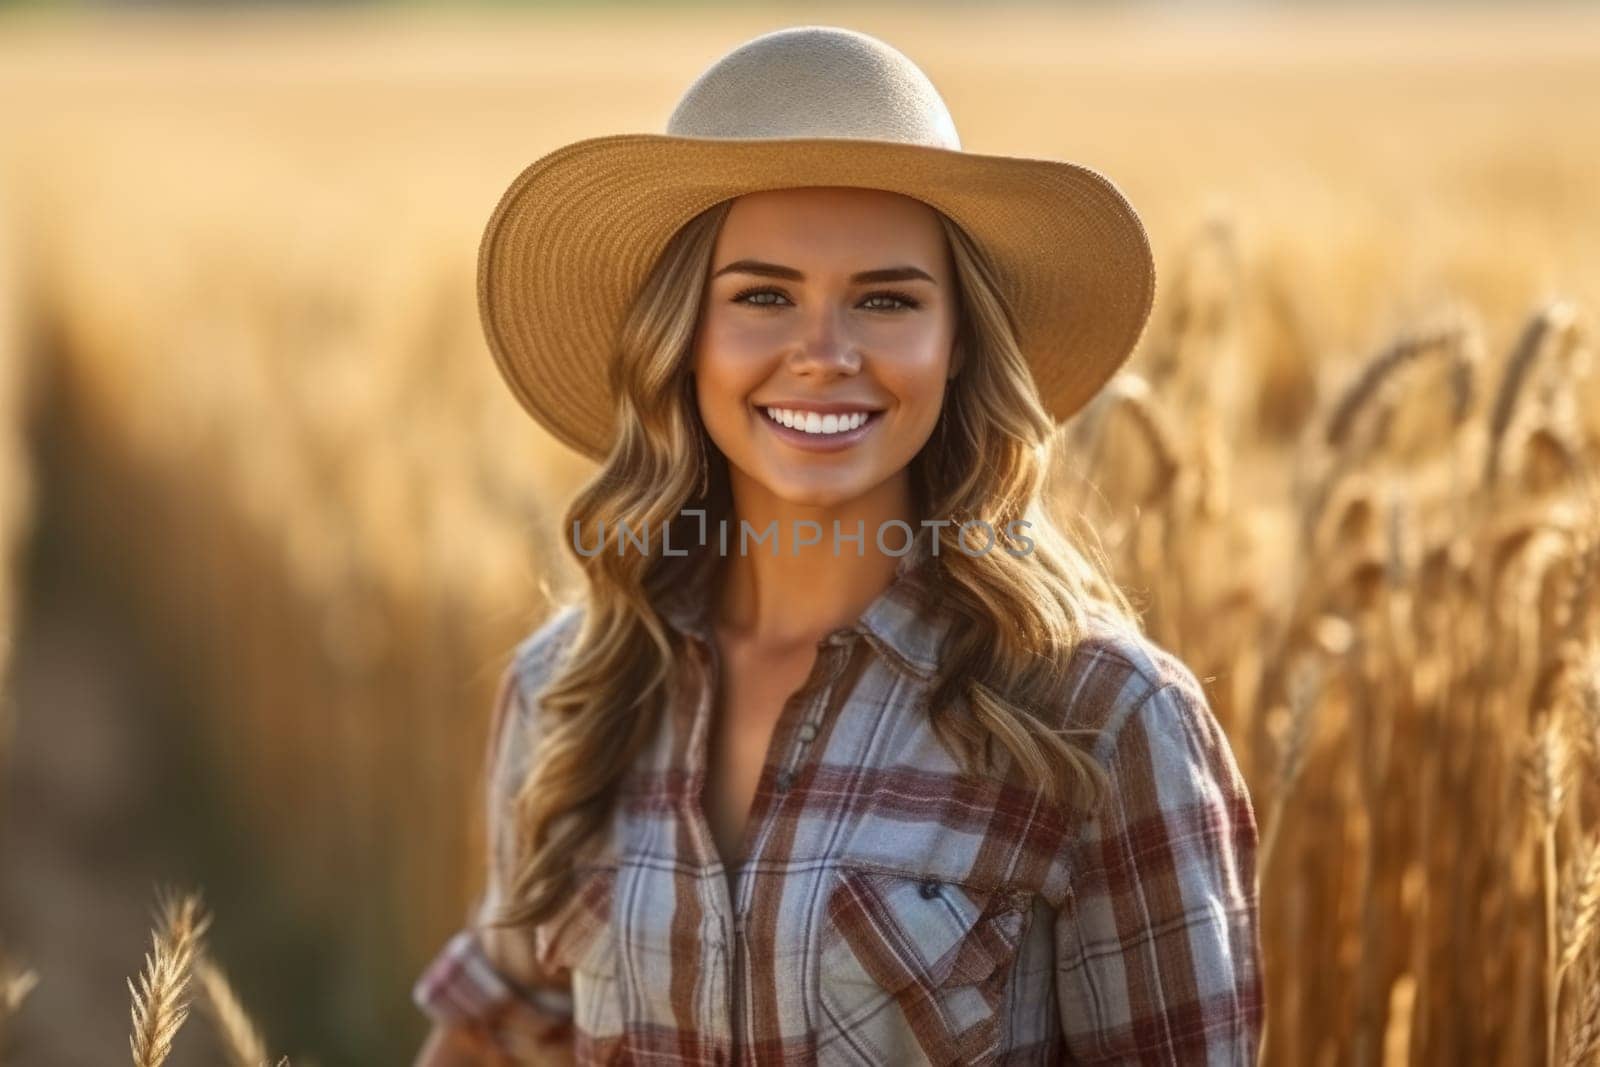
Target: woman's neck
[{"x": 779, "y": 592}]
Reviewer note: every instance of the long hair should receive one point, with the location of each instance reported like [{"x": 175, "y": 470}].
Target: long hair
[{"x": 988, "y": 459}]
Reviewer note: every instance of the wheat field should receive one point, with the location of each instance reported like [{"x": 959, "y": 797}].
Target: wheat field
[{"x": 1349, "y": 471}]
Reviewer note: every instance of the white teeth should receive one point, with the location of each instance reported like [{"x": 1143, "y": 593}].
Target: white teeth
[{"x": 811, "y": 422}]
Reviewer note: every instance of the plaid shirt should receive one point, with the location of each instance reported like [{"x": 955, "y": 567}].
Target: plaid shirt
[{"x": 891, "y": 910}]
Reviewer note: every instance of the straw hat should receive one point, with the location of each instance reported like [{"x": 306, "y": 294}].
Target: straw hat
[{"x": 576, "y": 234}]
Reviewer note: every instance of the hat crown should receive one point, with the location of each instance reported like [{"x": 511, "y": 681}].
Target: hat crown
[{"x": 815, "y": 81}]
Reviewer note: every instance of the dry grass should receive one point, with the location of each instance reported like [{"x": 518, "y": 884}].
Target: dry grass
[
  {"x": 160, "y": 1003},
  {"x": 1350, "y": 470},
  {"x": 242, "y": 1039},
  {"x": 16, "y": 982},
  {"x": 162, "y": 999}
]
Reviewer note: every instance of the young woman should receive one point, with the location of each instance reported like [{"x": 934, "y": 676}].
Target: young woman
[{"x": 848, "y": 755}]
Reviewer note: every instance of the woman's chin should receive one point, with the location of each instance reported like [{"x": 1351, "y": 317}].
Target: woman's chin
[{"x": 811, "y": 489}]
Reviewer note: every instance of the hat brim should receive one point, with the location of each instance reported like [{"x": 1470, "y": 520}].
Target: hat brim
[{"x": 577, "y": 233}]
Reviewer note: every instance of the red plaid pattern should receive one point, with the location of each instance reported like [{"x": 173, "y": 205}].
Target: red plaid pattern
[
  {"x": 890, "y": 910},
  {"x": 462, "y": 985}
]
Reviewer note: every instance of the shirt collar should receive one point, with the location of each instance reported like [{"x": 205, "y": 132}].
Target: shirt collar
[{"x": 905, "y": 620}]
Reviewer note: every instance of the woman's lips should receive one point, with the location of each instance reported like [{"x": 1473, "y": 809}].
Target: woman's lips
[{"x": 819, "y": 442}]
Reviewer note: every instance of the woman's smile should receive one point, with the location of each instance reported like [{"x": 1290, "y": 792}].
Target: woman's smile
[{"x": 813, "y": 430}]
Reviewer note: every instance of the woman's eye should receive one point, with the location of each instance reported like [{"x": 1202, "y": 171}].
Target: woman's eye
[
  {"x": 742, "y": 297},
  {"x": 894, "y": 301},
  {"x": 899, "y": 298}
]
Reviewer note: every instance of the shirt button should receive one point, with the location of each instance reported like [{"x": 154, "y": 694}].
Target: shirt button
[
  {"x": 930, "y": 889},
  {"x": 785, "y": 779},
  {"x": 808, "y": 730}
]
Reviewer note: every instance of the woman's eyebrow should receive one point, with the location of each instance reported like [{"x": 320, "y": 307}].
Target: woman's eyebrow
[{"x": 775, "y": 270}]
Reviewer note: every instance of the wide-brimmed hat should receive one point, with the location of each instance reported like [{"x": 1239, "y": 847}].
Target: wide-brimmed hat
[{"x": 577, "y": 233}]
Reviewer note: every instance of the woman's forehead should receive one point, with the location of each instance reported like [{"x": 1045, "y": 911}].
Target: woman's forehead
[{"x": 824, "y": 223}]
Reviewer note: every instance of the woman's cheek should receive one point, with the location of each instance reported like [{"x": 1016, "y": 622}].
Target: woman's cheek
[{"x": 738, "y": 331}]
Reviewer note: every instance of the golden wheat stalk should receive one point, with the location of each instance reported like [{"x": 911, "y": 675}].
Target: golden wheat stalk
[
  {"x": 1582, "y": 590},
  {"x": 1205, "y": 279},
  {"x": 1130, "y": 393},
  {"x": 1522, "y": 543},
  {"x": 1305, "y": 688},
  {"x": 241, "y": 1038},
  {"x": 1547, "y": 456},
  {"x": 1585, "y": 1037},
  {"x": 1370, "y": 385},
  {"x": 160, "y": 1004},
  {"x": 1549, "y": 326},
  {"x": 1545, "y": 769},
  {"x": 1580, "y": 902},
  {"x": 16, "y": 982},
  {"x": 1583, "y": 697}
]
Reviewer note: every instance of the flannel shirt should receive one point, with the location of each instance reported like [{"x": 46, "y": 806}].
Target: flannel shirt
[{"x": 891, "y": 910}]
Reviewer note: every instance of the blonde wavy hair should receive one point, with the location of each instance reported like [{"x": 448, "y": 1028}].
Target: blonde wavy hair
[{"x": 988, "y": 459}]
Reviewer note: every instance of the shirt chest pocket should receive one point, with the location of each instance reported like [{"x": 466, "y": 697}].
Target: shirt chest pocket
[
  {"x": 581, "y": 939},
  {"x": 909, "y": 963}
]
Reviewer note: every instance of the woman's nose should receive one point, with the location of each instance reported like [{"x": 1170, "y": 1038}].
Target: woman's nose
[{"x": 827, "y": 345}]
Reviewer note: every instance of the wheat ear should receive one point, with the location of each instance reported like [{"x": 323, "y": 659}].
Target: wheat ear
[
  {"x": 160, "y": 1004},
  {"x": 1545, "y": 775},
  {"x": 1556, "y": 318},
  {"x": 1376, "y": 374}
]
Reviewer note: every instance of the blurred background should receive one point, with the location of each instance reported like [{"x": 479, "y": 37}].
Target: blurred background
[{"x": 270, "y": 523}]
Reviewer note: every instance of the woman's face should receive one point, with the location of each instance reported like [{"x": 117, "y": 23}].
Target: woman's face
[{"x": 825, "y": 308}]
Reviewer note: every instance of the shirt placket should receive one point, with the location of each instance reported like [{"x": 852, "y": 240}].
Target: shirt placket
[{"x": 799, "y": 723}]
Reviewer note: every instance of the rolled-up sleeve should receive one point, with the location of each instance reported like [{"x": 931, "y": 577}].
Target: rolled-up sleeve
[
  {"x": 1158, "y": 953},
  {"x": 485, "y": 979}
]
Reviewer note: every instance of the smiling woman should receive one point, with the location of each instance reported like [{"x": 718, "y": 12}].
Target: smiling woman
[
  {"x": 908, "y": 802},
  {"x": 827, "y": 339}
]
